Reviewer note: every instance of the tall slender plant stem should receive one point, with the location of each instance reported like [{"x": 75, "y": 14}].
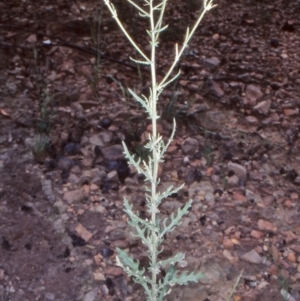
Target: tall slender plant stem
[{"x": 152, "y": 232}]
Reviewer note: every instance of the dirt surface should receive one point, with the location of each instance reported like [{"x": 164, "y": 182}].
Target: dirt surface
[{"x": 65, "y": 109}]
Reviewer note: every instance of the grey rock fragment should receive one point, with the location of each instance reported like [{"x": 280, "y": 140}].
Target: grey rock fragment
[
  {"x": 252, "y": 257},
  {"x": 239, "y": 170},
  {"x": 91, "y": 295},
  {"x": 48, "y": 191},
  {"x": 212, "y": 63},
  {"x": 113, "y": 152}
]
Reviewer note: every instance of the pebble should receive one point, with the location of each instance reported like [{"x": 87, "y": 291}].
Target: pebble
[
  {"x": 91, "y": 295},
  {"x": 233, "y": 181},
  {"x": 212, "y": 63},
  {"x": 256, "y": 234},
  {"x": 49, "y": 296},
  {"x": 263, "y": 107},
  {"x": 266, "y": 226},
  {"x": 96, "y": 140},
  {"x": 74, "y": 196},
  {"x": 252, "y": 257},
  {"x": 239, "y": 170},
  {"x": 253, "y": 92},
  {"x": 227, "y": 243}
]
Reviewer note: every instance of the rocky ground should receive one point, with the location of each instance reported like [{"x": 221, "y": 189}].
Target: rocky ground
[{"x": 64, "y": 110}]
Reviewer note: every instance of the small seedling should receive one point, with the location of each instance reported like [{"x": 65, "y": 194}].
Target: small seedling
[{"x": 153, "y": 230}]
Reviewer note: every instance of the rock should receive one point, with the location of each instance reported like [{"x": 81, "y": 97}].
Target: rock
[
  {"x": 266, "y": 226},
  {"x": 60, "y": 206},
  {"x": 252, "y": 257},
  {"x": 74, "y": 196},
  {"x": 47, "y": 189},
  {"x": 227, "y": 254},
  {"x": 263, "y": 107},
  {"x": 98, "y": 276},
  {"x": 190, "y": 146},
  {"x": 256, "y": 234},
  {"x": 291, "y": 112},
  {"x": 290, "y": 236},
  {"x": 106, "y": 136},
  {"x": 49, "y": 296},
  {"x": 252, "y": 120},
  {"x": 216, "y": 89},
  {"x": 171, "y": 206},
  {"x": 106, "y": 122},
  {"x": 91, "y": 295},
  {"x": 97, "y": 140},
  {"x": 59, "y": 226},
  {"x": 233, "y": 181},
  {"x": 253, "y": 92},
  {"x": 83, "y": 232},
  {"x": 227, "y": 243},
  {"x": 193, "y": 174},
  {"x": 73, "y": 179},
  {"x": 239, "y": 197},
  {"x": 113, "y": 152},
  {"x": 213, "y": 272},
  {"x": 212, "y": 63},
  {"x": 71, "y": 149},
  {"x": 114, "y": 271},
  {"x": 64, "y": 163},
  {"x": 292, "y": 257},
  {"x": 274, "y": 43},
  {"x": 239, "y": 170},
  {"x": 32, "y": 38}
]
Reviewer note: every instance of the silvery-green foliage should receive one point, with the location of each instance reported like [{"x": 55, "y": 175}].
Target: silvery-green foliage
[{"x": 152, "y": 231}]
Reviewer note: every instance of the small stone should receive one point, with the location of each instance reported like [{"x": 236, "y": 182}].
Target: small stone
[
  {"x": 263, "y": 107},
  {"x": 99, "y": 208},
  {"x": 98, "y": 276},
  {"x": 74, "y": 196},
  {"x": 190, "y": 145},
  {"x": 294, "y": 196},
  {"x": 268, "y": 200},
  {"x": 83, "y": 232},
  {"x": 32, "y": 39},
  {"x": 290, "y": 236},
  {"x": 106, "y": 122},
  {"x": 228, "y": 255},
  {"x": 266, "y": 226},
  {"x": 113, "y": 152},
  {"x": 253, "y": 92},
  {"x": 295, "y": 248},
  {"x": 122, "y": 244},
  {"x": 227, "y": 243},
  {"x": 292, "y": 257},
  {"x": 60, "y": 206},
  {"x": 91, "y": 295},
  {"x": 288, "y": 203},
  {"x": 291, "y": 112},
  {"x": 97, "y": 140},
  {"x": 252, "y": 257},
  {"x": 2, "y": 274},
  {"x": 252, "y": 120},
  {"x": 274, "y": 43},
  {"x": 256, "y": 234},
  {"x": 114, "y": 271},
  {"x": 49, "y": 296},
  {"x": 239, "y": 170},
  {"x": 239, "y": 197},
  {"x": 233, "y": 181},
  {"x": 212, "y": 63},
  {"x": 216, "y": 89}
]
